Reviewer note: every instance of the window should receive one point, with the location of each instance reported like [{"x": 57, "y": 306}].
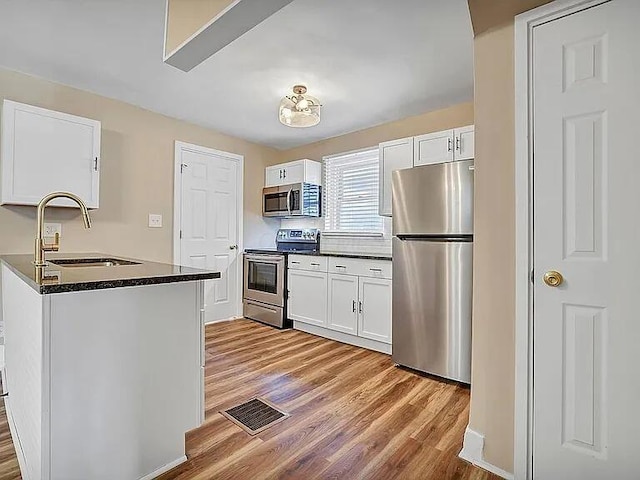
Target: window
[{"x": 351, "y": 193}]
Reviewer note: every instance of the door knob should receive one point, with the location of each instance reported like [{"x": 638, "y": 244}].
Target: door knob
[
  {"x": 233, "y": 247},
  {"x": 553, "y": 278}
]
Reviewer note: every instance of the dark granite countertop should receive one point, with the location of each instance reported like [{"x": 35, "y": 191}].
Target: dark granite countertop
[
  {"x": 60, "y": 278},
  {"x": 364, "y": 256}
]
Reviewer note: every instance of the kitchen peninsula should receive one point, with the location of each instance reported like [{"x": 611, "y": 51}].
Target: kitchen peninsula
[{"x": 104, "y": 364}]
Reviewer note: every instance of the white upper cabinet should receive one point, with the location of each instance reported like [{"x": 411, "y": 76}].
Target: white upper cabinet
[
  {"x": 394, "y": 155},
  {"x": 433, "y": 148},
  {"x": 464, "y": 143},
  {"x": 445, "y": 146},
  {"x": 45, "y": 151},
  {"x": 307, "y": 171}
]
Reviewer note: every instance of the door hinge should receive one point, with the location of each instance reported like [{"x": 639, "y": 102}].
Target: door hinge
[
  {"x": 180, "y": 233},
  {"x": 532, "y": 277},
  {"x": 95, "y": 164},
  {"x": 182, "y": 167}
]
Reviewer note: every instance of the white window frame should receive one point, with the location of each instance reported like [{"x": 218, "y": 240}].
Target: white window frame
[{"x": 347, "y": 233}]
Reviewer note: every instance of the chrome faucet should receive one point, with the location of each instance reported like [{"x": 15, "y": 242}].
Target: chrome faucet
[{"x": 41, "y": 245}]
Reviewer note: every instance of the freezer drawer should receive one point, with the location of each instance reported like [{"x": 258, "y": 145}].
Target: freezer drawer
[{"x": 432, "y": 296}]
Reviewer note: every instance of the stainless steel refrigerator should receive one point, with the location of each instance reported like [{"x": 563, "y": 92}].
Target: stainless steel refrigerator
[{"x": 432, "y": 268}]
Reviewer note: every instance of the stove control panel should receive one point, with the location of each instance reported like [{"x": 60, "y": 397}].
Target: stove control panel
[{"x": 304, "y": 235}]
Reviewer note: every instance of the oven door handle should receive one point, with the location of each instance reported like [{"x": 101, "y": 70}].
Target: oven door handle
[
  {"x": 289, "y": 201},
  {"x": 275, "y": 259}
]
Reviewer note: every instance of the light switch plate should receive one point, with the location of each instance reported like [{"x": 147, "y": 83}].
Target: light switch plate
[
  {"x": 155, "y": 220},
  {"x": 50, "y": 229}
]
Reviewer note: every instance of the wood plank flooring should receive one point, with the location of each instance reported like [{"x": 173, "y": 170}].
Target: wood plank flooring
[{"x": 353, "y": 414}]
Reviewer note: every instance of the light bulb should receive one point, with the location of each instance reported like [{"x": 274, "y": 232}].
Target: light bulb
[{"x": 302, "y": 104}]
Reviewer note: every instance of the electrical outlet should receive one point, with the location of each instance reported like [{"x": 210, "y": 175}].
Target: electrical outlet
[
  {"x": 50, "y": 229},
  {"x": 155, "y": 220}
]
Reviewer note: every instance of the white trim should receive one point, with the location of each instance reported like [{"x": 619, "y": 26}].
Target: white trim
[
  {"x": 354, "y": 153},
  {"x": 165, "y": 468},
  {"x": 177, "y": 203},
  {"x": 343, "y": 337},
  {"x": 523, "y": 411},
  {"x": 331, "y": 233},
  {"x": 472, "y": 453}
]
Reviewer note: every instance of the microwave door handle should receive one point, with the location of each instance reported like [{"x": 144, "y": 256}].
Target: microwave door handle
[{"x": 289, "y": 201}]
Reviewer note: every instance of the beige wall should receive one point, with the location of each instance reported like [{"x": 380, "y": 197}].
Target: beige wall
[
  {"x": 492, "y": 386},
  {"x": 186, "y": 17},
  {"x": 489, "y": 14},
  {"x": 456, "y": 116},
  {"x": 136, "y": 175},
  {"x": 493, "y": 370}
]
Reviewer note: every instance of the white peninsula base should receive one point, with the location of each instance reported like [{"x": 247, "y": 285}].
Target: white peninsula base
[{"x": 103, "y": 384}]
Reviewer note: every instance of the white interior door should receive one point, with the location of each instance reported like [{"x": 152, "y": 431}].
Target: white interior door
[
  {"x": 586, "y": 226},
  {"x": 210, "y": 216}
]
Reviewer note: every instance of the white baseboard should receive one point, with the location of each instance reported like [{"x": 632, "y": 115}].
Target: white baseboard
[
  {"x": 165, "y": 468},
  {"x": 472, "y": 449},
  {"x": 211, "y": 322},
  {"x": 343, "y": 337}
]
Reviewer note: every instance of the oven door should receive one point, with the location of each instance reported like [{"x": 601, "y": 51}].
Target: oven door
[
  {"x": 282, "y": 201},
  {"x": 264, "y": 278}
]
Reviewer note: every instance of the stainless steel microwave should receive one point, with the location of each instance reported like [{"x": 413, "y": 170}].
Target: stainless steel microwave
[{"x": 294, "y": 200}]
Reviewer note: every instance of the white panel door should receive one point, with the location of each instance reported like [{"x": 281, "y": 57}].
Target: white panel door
[
  {"x": 308, "y": 297},
  {"x": 343, "y": 303},
  {"x": 209, "y": 226},
  {"x": 433, "y": 148},
  {"x": 394, "y": 155},
  {"x": 464, "y": 143},
  {"x": 587, "y": 330},
  {"x": 374, "y": 319}
]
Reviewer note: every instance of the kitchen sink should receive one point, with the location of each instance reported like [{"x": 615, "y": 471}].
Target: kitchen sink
[{"x": 92, "y": 262}]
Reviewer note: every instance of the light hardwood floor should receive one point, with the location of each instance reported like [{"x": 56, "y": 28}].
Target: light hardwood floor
[{"x": 353, "y": 414}]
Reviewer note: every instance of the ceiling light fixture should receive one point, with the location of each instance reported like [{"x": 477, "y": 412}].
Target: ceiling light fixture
[{"x": 299, "y": 110}]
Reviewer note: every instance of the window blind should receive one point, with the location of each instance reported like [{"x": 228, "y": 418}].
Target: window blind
[{"x": 351, "y": 193}]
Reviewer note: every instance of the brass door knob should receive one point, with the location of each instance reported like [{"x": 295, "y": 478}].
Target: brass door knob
[{"x": 553, "y": 278}]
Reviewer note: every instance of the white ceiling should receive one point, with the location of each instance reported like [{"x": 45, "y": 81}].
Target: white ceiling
[{"x": 368, "y": 61}]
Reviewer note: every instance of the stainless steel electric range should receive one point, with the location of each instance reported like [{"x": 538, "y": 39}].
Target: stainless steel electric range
[{"x": 265, "y": 275}]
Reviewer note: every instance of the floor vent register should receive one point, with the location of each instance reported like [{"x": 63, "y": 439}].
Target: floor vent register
[{"x": 255, "y": 415}]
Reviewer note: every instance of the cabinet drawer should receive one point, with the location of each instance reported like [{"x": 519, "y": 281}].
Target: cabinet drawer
[
  {"x": 307, "y": 262},
  {"x": 361, "y": 267}
]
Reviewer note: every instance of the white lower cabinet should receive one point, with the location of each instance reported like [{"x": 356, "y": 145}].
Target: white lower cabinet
[
  {"x": 308, "y": 296},
  {"x": 352, "y": 307},
  {"x": 374, "y": 307},
  {"x": 343, "y": 303}
]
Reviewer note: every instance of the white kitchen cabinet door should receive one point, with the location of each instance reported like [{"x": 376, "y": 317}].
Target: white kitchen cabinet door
[
  {"x": 374, "y": 309},
  {"x": 45, "y": 151},
  {"x": 343, "y": 303},
  {"x": 464, "y": 143},
  {"x": 394, "y": 155},
  {"x": 433, "y": 148},
  {"x": 308, "y": 297},
  {"x": 293, "y": 172},
  {"x": 298, "y": 171},
  {"x": 273, "y": 176}
]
